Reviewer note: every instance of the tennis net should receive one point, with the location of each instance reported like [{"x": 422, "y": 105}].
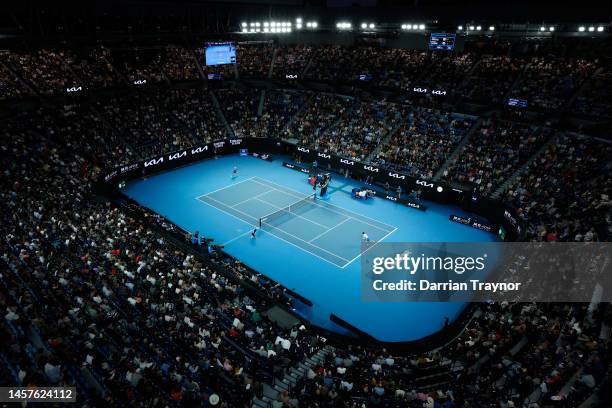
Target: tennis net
[{"x": 287, "y": 210}]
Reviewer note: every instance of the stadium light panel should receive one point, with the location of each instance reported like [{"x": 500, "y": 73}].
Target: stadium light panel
[
  {"x": 551, "y": 28},
  {"x": 591, "y": 29},
  {"x": 491, "y": 28},
  {"x": 542, "y": 28},
  {"x": 244, "y": 24},
  {"x": 460, "y": 27},
  {"x": 471, "y": 28},
  {"x": 244, "y": 29},
  {"x": 421, "y": 26},
  {"x": 298, "y": 20},
  {"x": 581, "y": 29},
  {"x": 315, "y": 24},
  {"x": 364, "y": 25},
  {"x": 371, "y": 26},
  {"x": 600, "y": 29},
  {"x": 478, "y": 28}
]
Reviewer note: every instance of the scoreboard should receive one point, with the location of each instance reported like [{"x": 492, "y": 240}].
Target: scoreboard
[
  {"x": 220, "y": 53},
  {"x": 519, "y": 103},
  {"x": 442, "y": 41}
]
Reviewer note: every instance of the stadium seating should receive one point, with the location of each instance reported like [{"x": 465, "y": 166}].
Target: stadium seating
[{"x": 122, "y": 306}]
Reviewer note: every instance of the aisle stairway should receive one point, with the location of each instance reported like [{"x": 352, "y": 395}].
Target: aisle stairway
[
  {"x": 290, "y": 379},
  {"x": 458, "y": 149},
  {"x": 504, "y": 186},
  {"x": 383, "y": 142},
  {"x": 220, "y": 115}
]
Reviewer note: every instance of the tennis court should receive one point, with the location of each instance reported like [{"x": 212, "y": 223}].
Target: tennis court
[{"x": 324, "y": 230}]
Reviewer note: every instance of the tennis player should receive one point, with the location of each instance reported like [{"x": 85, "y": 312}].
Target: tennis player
[
  {"x": 234, "y": 172},
  {"x": 364, "y": 237}
]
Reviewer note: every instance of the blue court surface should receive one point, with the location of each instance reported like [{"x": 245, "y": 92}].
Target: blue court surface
[{"x": 311, "y": 246}]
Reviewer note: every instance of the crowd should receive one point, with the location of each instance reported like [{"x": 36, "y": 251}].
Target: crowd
[
  {"x": 121, "y": 304},
  {"x": 492, "y": 78},
  {"x": 494, "y": 152},
  {"x": 564, "y": 195},
  {"x": 97, "y": 299},
  {"x": 148, "y": 122},
  {"x": 254, "y": 60},
  {"x": 10, "y": 85},
  {"x": 594, "y": 99},
  {"x": 43, "y": 69},
  {"x": 240, "y": 108},
  {"x": 280, "y": 106},
  {"x": 549, "y": 82},
  {"x": 291, "y": 60},
  {"x": 513, "y": 355},
  {"x": 484, "y": 78},
  {"x": 195, "y": 109},
  {"x": 179, "y": 64},
  {"x": 424, "y": 142},
  {"x": 94, "y": 67},
  {"x": 322, "y": 111},
  {"x": 359, "y": 130},
  {"x": 137, "y": 65}
]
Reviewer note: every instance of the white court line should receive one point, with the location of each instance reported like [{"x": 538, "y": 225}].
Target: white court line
[
  {"x": 223, "y": 188},
  {"x": 250, "y": 216},
  {"x": 335, "y": 211},
  {"x": 255, "y": 197},
  {"x": 337, "y": 225},
  {"x": 235, "y": 238},
  {"x": 367, "y": 249},
  {"x": 274, "y": 235},
  {"x": 294, "y": 214}
]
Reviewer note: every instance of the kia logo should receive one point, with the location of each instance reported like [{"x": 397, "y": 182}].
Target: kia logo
[
  {"x": 154, "y": 162},
  {"x": 349, "y": 162},
  {"x": 397, "y": 176},
  {"x": 200, "y": 149},
  {"x": 325, "y": 156},
  {"x": 303, "y": 149},
  {"x": 177, "y": 155},
  {"x": 391, "y": 198},
  {"x": 424, "y": 183},
  {"x": 370, "y": 168}
]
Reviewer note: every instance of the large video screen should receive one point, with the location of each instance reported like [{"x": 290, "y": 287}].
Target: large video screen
[
  {"x": 442, "y": 41},
  {"x": 220, "y": 53}
]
